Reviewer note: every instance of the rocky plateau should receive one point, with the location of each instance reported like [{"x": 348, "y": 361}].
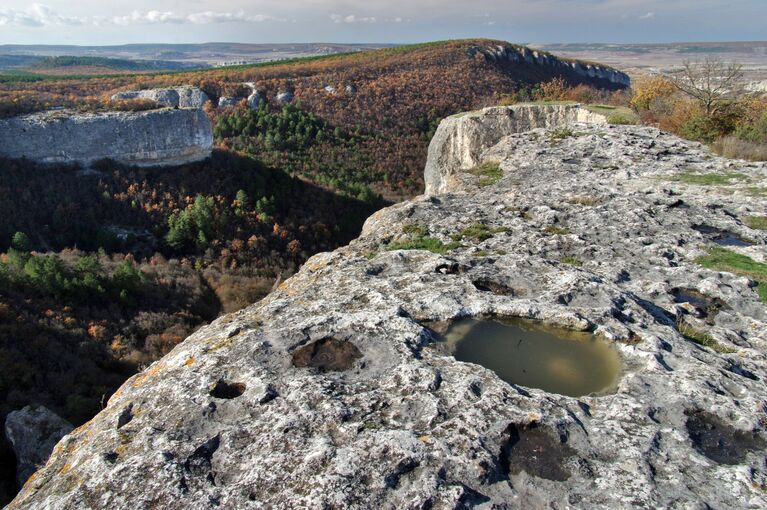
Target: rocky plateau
[{"x": 331, "y": 392}]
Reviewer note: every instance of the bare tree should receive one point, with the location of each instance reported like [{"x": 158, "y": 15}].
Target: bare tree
[{"x": 711, "y": 82}]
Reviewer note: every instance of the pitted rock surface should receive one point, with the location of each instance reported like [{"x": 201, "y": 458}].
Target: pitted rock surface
[
  {"x": 161, "y": 137},
  {"x": 406, "y": 426}
]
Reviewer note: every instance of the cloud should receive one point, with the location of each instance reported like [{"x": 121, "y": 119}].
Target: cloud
[
  {"x": 351, "y": 18},
  {"x": 648, "y": 15},
  {"x": 36, "y": 16},
  {"x": 40, "y": 16}
]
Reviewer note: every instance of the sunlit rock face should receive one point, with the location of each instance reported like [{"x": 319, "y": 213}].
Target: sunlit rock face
[
  {"x": 460, "y": 139},
  {"x": 164, "y": 137},
  {"x": 176, "y": 97},
  {"x": 331, "y": 392}
]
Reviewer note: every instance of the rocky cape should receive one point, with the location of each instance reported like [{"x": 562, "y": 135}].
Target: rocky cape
[
  {"x": 330, "y": 392},
  {"x": 162, "y": 137}
]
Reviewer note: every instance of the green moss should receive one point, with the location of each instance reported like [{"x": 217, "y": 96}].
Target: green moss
[
  {"x": 701, "y": 337},
  {"x": 552, "y": 229},
  {"x": 709, "y": 179},
  {"x": 489, "y": 173},
  {"x": 573, "y": 261},
  {"x": 756, "y": 222},
  {"x": 371, "y": 255},
  {"x": 479, "y": 232},
  {"x": 720, "y": 259}
]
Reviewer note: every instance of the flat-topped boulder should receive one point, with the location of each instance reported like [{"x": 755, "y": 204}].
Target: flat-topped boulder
[
  {"x": 161, "y": 137},
  {"x": 460, "y": 139},
  {"x": 333, "y": 392},
  {"x": 174, "y": 97}
]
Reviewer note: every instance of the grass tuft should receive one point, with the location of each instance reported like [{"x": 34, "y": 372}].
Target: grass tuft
[
  {"x": 418, "y": 239},
  {"x": 573, "y": 261},
  {"x": 709, "y": 179},
  {"x": 701, "y": 337},
  {"x": 721, "y": 259},
  {"x": 756, "y": 222},
  {"x": 489, "y": 173},
  {"x": 479, "y": 232},
  {"x": 552, "y": 229},
  {"x": 560, "y": 133}
]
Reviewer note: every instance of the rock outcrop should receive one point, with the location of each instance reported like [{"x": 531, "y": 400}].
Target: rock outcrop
[
  {"x": 522, "y": 54},
  {"x": 33, "y": 432},
  {"x": 329, "y": 394},
  {"x": 285, "y": 97},
  {"x": 460, "y": 139},
  {"x": 177, "y": 97},
  {"x": 149, "y": 138}
]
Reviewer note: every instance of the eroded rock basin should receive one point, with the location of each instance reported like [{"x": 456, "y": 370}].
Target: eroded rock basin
[{"x": 534, "y": 355}]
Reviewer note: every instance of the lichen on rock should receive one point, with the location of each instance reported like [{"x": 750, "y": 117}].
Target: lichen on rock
[{"x": 592, "y": 229}]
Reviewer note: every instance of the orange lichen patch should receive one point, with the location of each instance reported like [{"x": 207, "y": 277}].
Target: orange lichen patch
[
  {"x": 295, "y": 286},
  {"x": 424, "y": 439},
  {"x": 65, "y": 469},
  {"x": 115, "y": 395},
  {"x": 147, "y": 374},
  {"x": 315, "y": 265},
  {"x": 226, "y": 342},
  {"x": 190, "y": 361}
]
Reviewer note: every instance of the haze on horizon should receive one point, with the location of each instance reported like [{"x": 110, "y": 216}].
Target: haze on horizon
[{"x": 98, "y": 22}]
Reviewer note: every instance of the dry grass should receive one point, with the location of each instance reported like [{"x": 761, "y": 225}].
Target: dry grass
[{"x": 735, "y": 148}]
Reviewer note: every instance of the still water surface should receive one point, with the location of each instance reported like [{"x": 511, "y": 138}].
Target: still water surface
[{"x": 530, "y": 354}]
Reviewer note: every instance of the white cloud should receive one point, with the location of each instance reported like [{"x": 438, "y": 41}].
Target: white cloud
[
  {"x": 40, "y": 16},
  {"x": 648, "y": 15},
  {"x": 36, "y": 16},
  {"x": 351, "y": 18}
]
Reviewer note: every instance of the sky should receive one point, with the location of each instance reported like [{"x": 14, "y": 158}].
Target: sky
[{"x": 106, "y": 22}]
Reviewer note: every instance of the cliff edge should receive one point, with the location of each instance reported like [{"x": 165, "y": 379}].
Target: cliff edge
[
  {"x": 161, "y": 137},
  {"x": 330, "y": 393}
]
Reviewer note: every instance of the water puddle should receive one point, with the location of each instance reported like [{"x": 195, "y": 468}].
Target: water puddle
[
  {"x": 527, "y": 353},
  {"x": 722, "y": 237}
]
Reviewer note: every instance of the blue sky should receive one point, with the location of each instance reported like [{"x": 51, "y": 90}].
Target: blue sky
[{"x": 97, "y": 22}]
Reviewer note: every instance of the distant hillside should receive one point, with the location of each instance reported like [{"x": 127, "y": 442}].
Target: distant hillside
[
  {"x": 389, "y": 99},
  {"x": 120, "y": 64}
]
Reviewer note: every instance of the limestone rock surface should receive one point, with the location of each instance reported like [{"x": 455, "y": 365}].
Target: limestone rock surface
[
  {"x": 33, "y": 432},
  {"x": 460, "y": 139},
  {"x": 330, "y": 393},
  {"x": 177, "y": 97},
  {"x": 148, "y": 138}
]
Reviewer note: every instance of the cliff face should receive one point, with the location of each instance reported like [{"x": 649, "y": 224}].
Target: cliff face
[
  {"x": 520, "y": 54},
  {"x": 178, "y": 97},
  {"x": 149, "y": 138},
  {"x": 460, "y": 140},
  {"x": 328, "y": 393}
]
